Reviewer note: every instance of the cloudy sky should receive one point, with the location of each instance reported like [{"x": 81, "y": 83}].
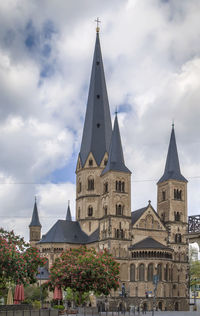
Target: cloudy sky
[{"x": 151, "y": 53}]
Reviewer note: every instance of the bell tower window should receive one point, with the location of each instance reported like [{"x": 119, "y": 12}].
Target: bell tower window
[
  {"x": 120, "y": 186},
  {"x": 90, "y": 210},
  {"x": 90, "y": 184},
  {"x": 177, "y": 194},
  {"x": 163, "y": 195},
  {"x": 119, "y": 209}
]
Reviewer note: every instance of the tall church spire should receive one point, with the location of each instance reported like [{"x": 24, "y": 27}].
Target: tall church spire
[
  {"x": 172, "y": 167},
  {"x": 97, "y": 127},
  {"x": 35, "y": 217},
  {"x": 116, "y": 156}
]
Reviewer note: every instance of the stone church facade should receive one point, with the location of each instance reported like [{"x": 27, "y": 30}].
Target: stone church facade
[{"x": 149, "y": 245}]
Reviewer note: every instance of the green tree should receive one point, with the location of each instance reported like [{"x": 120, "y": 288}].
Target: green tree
[
  {"x": 85, "y": 270},
  {"x": 18, "y": 261},
  {"x": 194, "y": 273}
]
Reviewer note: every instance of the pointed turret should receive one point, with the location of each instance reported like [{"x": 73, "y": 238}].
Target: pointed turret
[
  {"x": 97, "y": 127},
  {"x": 34, "y": 227},
  {"x": 172, "y": 167},
  {"x": 68, "y": 216},
  {"x": 35, "y": 218},
  {"x": 116, "y": 156}
]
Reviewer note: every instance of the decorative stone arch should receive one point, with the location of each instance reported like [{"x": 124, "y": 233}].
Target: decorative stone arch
[{"x": 149, "y": 221}]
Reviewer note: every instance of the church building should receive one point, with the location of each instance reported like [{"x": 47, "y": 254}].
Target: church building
[{"x": 151, "y": 246}]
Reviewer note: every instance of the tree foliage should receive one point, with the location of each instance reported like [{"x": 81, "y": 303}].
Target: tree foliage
[
  {"x": 194, "y": 272},
  {"x": 18, "y": 261},
  {"x": 84, "y": 270}
]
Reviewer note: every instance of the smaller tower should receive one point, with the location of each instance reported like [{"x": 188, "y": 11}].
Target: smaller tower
[
  {"x": 68, "y": 216},
  {"x": 34, "y": 227},
  {"x": 116, "y": 198}
]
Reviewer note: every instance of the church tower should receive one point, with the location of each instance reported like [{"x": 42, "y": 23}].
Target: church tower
[
  {"x": 35, "y": 227},
  {"x": 116, "y": 198},
  {"x": 95, "y": 144},
  {"x": 172, "y": 196}
]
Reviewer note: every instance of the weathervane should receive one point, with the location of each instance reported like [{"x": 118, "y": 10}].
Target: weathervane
[{"x": 97, "y": 21}]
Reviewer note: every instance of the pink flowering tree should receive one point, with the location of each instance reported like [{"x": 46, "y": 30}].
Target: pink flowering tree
[
  {"x": 84, "y": 270},
  {"x": 18, "y": 261}
]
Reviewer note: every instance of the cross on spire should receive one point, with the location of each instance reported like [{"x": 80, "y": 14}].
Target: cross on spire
[{"x": 97, "y": 21}]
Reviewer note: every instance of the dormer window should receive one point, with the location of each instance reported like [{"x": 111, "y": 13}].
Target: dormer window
[
  {"x": 90, "y": 162},
  {"x": 105, "y": 162}
]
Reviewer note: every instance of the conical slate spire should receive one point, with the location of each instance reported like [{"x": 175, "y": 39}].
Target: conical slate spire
[
  {"x": 172, "y": 167},
  {"x": 97, "y": 127},
  {"x": 116, "y": 156},
  {"x": 68, "y": 216},
  {"x": 35, "y": 218}
]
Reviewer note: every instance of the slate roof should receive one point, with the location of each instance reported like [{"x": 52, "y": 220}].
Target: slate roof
[
  {"x": 64, "y": 231},
  {"x": 116, "y": 156},
  {"x": 35, "y": 217},
  {"x": 97, "y": 127},
  {"x": 68, "y": 216},
  {"x": 172, "y": 167},
  {"x": 148, "y": 242},
  {"x": 135, "y": 215}
]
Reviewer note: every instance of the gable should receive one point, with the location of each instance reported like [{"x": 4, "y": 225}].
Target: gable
[{"x": 148, "y": 219}]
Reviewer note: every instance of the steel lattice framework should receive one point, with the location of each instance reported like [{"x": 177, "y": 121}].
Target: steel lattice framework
[{"x": 194, "y": 224}]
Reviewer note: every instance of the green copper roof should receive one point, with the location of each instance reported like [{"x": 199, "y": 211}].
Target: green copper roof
[
  {"x": 172, "y": 167},
  {"x": 97, "y": 127}
]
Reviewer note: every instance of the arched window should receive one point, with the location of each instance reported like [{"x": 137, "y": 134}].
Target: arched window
[
  {"x": 79, "y": 186},
  {"x": 79, "y": 212},
  {"x": 119, "y": 209},
  {"x": 163, "y": 195},
  {"x": 177, "y": 216},
  {"x": 178, "y": 238},
  {"x": 132, "y": 272},
  {"x": 150, "y": 272},
  {"x": 90, "y": 210},
  {"x": 177, "y": 194},
  {"x": 120, "y": 186},
  {"x": 159, "y": 271},
  {"x": 141, "y": 272},
  {"x": 105, "y": 210},
  {"x": 166, "y": 272},
  {"x": 90, "y": 184},
  {"x": 90, "y": 162},
  {"x": 105, "y": 187}
]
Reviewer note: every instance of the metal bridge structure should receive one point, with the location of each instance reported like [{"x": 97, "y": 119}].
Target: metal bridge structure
[{"x": 194, "y": 229}]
